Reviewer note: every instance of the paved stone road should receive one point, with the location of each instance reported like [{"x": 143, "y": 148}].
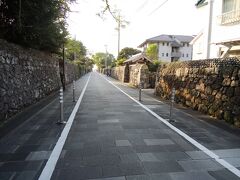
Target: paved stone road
[{"x": 113, "y": 138}]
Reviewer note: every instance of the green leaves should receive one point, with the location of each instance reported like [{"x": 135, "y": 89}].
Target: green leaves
[
  {"x": 103, "y": 59},
  {"x": 36, "y": 24},
  {"x": 152, "y": 52}
]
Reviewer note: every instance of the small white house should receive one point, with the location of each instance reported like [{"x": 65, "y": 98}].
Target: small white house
[
  {"x": 220, "y": 34},
  {"x": 171, "y": 47}
]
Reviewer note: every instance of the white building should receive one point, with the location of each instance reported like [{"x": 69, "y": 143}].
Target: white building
[
  {"x": 171, "y": 47},
  {"x": 220, "y": 34}
]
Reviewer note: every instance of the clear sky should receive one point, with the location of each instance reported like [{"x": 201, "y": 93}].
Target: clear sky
[{"x": 147, "y": 19}]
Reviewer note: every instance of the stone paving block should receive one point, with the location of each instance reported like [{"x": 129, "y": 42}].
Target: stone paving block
[
  {"x": 21, "y": 165},
  {"x": 26, "y": 175},
  {"x": 113, "y": 113},
  {"x": 111, "y": 178},
  {"x": 168, "y": 156},
  {"x": 233, "y": 161},
  {"x": 152, "y": 142},
  {"x": 125, "y": 150},
  {"x": 123, "y": 143},
  {"x": 7, "y": 175},
  {"x": 132, "y": 168},
  {"x": 73, "y": 146},
  {"x": 8, "y": 148},
  {"x": 129, "y": 158},
  {"x": 100, "y": 160},
  {"x": 13, "y": 157},
  {"x": 38, "y": 155},
  {"x": 223, "y": 174},
  {"x": 147, "y": 157},
  {"x": 191, "y": 176},
  {"x": 110, "y": 171},
  {"x": 137, "y": 141},
  {"x": 160, "y": 176},
  {"x": 200, "y": 165},
  {"x": 138, "y": 177},
  {"x": 108, "y": 121},
  {"x": 198, "y": 155},
  {"x": 146, "y": 149},
  {"x": 227, "y": 153},
  {"x": 162, "y": 167},
  {"x": 81, "y": 173}
]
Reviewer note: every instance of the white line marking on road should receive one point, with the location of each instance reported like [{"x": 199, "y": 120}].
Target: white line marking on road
[
  {"x": 52, "y": 161},
  {"x": 224, "y": 163}
]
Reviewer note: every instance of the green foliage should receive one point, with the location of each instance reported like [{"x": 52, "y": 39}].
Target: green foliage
[
  {"x": 152, "y": 52},
  {"x": 100, "y": 58},
  {"x": 154, "y": 66},
  {"x": 36, "y": 24},
  {"x": 120, "y": 62},
  {"x": 75, "y": 50},
  {"x": 127, "y": 52}
]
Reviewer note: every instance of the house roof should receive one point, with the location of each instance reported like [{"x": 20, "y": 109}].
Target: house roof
[
  {"x": 175, "y": 39},
  {"x": 138, "y": 57}
]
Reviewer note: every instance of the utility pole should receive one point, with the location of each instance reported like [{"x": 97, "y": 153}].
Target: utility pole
[{"x": 119, "y": 30}]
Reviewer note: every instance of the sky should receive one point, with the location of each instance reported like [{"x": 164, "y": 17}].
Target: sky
[{"x": 147, "y": 18}]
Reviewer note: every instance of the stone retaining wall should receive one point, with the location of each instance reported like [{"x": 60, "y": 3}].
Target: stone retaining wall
[
  {"x": 139, "y": 73},
  {"x": 118, "y": 73},
  {"x": 210, "y": 86},
  {"x": 26, "y": 76}
]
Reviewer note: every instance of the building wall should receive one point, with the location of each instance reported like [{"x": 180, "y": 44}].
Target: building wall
[
  {"x": 209, "y": 86},
  {"x": 219, "y": 32},
  {"x": 163, "y": 51},
  {"x": 187, "y": 51}
]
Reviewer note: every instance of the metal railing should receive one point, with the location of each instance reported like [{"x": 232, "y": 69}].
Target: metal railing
[{"x": 229, "y": 17}]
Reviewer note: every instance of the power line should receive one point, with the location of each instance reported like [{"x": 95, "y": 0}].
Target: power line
[
  {"x": 158, "y": 7},
  {"x": 142, "y": 6}
]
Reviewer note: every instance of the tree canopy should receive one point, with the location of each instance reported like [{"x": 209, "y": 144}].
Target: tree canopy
[
  {"x": 101, "y": 58},
  {"x": 36, "y": 24},
  {"x": 152, "y": 52},
  {"x": 127, "y": 52},
  {"x": 75, "y": 50}
]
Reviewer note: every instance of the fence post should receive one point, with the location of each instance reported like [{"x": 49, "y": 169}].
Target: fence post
[{"x": 61, "y": 120}]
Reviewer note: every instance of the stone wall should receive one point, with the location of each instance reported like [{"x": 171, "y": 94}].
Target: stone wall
[
  {"x": 210, "y": 86},
  {"x": 139, "y": 73},
  {"x": 26, "y": 76},
  {"x": 118, "y": 73}
]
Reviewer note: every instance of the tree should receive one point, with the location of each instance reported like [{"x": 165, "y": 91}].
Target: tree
[
  {"x": 101, "y": 58},
  {"x": 127, "y": 52},
  {"x": 75, "y": 50},
  {"x": 36, "y": 24},
  {"x": 152, "y": 52}
]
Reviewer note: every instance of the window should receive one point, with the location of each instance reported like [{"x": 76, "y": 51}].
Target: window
[
  {"x": 167, "y": 44},
  {"x": 163, "y": 43},
  {"x": 230, "y": 5},
  {"x": 186, "y": 55},
  {"x": 183, "y": 55},
  {"x": 162, "y": 54},
  {"x": 167, "y": 54},
  {"x": 230, "y": 12},
  {"x": 187, "y": 44}
]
